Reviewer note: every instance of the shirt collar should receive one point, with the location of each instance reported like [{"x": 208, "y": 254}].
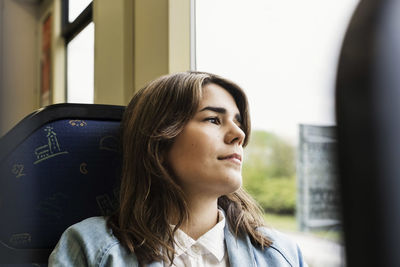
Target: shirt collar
[{"x": 212, "y": 241}]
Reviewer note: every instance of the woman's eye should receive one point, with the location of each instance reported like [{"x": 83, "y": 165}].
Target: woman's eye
[{"x": 214, "y": 120}]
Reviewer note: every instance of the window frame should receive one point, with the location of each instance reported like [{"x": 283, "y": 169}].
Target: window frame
[
  {"x": 72, "y": 29},
  {"x": 69, "y": 30}
]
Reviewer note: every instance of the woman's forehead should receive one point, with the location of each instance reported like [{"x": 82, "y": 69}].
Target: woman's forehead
[{"x": 216, "y": 96}]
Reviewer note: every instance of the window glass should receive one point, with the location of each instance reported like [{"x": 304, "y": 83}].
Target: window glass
[
  {"x": 80, "y": 67},
  {"x": 76, "y": 7},
  {"x": 284, "y": 54}
]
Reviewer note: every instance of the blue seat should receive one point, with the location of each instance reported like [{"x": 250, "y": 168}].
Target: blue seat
[{"x": 58, "y": 166}]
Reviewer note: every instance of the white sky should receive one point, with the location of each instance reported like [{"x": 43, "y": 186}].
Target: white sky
[
  {"x": 80, "y": 78},
  {"x": 76, "y": 7},
  {"x": 284, "y": 54},
  {"x": 80, "y": 53}
]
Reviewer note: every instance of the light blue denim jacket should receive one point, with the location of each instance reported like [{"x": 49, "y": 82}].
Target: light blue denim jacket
[{"x": 91, "y": 243}]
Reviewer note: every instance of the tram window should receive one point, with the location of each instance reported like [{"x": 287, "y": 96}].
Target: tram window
[
  {"x": 80, "y": 67},
  {"x": 78, "y": 33},
  {"x": 284, "y": 54}
]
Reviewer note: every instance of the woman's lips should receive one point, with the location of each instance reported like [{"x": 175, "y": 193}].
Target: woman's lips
[{"x": 236, "y": 158}]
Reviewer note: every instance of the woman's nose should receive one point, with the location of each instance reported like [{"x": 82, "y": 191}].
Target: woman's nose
[{"x": 234, "y": 135}]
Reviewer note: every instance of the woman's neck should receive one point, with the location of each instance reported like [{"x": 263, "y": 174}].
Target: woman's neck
[{"x": 203, "y": 215}]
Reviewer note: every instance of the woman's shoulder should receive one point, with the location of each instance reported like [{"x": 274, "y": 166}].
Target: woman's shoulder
[
  {"x": 93, "y": 233},
  {"x": 90, "y": 243},
  {"x": 282, "y": 246},
  {"x": 92, "y": 228}
]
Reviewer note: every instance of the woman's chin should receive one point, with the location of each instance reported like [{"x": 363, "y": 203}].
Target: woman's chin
[{"x": 233, "y": 185}]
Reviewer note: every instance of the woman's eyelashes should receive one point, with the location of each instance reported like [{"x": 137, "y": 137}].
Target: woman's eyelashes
[
  {"x": 214, "y": 120},
  {"x": 217, "y": 121}
]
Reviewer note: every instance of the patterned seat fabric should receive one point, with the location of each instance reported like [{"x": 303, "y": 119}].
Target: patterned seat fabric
[{"x": 63, "y": 172}]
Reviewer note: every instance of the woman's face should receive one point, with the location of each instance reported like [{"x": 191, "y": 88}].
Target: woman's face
[{"x": 207, "y": 155}]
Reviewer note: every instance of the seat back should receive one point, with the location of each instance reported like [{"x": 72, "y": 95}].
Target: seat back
[{"x": 58, "y": 166}]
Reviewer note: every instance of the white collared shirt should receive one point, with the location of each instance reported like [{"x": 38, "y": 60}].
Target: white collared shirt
[{"x": 208, "y": 250}]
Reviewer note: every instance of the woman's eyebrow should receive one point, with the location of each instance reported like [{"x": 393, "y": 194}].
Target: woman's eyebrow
[
  {"x": 221, "y": 111},
  {"x": 215, "y": 109}
]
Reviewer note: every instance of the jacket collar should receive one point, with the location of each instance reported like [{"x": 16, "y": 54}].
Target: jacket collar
[{"x": 240, "y": 249}]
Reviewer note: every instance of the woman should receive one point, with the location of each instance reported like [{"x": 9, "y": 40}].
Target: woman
[{"x": 181, "y": 201}]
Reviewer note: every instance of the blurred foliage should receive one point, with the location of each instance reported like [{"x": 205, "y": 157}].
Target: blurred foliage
[{"x": 269, "y": 172}]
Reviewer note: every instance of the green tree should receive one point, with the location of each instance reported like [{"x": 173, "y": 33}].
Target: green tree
[{"x": 269, "y": 172}]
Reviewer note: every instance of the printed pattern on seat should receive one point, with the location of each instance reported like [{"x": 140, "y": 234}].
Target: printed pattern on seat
[{"x": 64, "y": 172}]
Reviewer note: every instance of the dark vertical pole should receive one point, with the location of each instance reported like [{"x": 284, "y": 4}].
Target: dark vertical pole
[
  {"x": 64, "y": 13},
  {"x": 64, "y": 24},
  {"x": 368, "y": 115}
]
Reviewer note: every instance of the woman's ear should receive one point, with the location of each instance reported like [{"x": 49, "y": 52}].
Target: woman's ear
[{"x": 164, "y": 154}]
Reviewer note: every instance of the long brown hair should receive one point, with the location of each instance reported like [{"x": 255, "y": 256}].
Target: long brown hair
[{"x": 149, "y": 193}]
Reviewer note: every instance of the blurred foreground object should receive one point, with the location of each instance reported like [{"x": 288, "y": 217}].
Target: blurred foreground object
[{"x": 368, "y": 115}]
